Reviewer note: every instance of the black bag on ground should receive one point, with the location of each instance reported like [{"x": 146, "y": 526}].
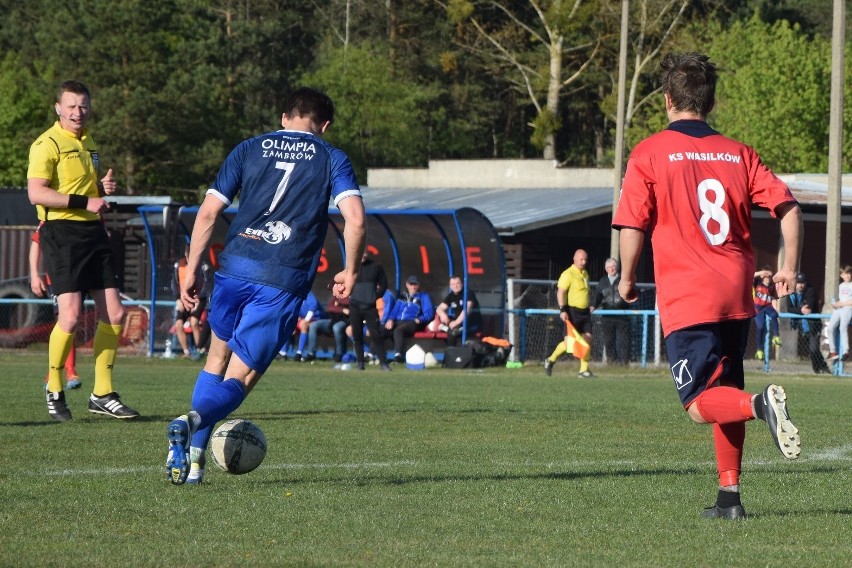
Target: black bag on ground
[
  {"x": 489, "y": 351},
  {"x": 458, "y": 357}
]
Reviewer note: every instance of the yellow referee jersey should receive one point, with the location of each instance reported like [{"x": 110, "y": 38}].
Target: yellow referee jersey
[
  {"x": 71, "y": 165},
  {"x": 576, "y": 282}
]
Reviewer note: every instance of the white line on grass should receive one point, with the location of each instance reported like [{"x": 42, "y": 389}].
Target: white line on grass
[
  {"x": 131, "y": 470},
  {"x": 838, "y": 454}
]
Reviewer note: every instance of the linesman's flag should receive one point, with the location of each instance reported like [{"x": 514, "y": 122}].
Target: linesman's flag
[{"x": 575, "y": 343}]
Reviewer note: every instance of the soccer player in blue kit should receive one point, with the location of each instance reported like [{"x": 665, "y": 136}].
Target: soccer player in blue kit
[{"x": 285, "y": 180}]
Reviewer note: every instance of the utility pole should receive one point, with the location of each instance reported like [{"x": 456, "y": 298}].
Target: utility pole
[
  {"x": 618, "y": 166},
  {"x": 835, "y": 154}
]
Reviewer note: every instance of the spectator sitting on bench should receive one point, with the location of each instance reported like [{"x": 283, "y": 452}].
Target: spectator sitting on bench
[
  {"x": 310, "y": 311},
  {"x": 451, "y": 316},
  {"x": 333, "y": 325},
  {"x": 411, "y": 313}
]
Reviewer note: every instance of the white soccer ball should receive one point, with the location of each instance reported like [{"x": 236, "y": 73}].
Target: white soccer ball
[{"x": 238, "y": 446}]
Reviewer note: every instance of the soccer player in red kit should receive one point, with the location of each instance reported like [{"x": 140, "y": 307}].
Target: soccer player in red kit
[{"x": 691, "y": 190}]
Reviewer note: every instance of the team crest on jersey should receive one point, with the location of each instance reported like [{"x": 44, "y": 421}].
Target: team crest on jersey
[
  {"x": 681, "y": 374},
  {"x": 277, "y": 231}
]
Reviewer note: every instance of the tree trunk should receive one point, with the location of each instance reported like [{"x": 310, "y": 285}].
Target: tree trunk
[{"x": 553, "y": 87}]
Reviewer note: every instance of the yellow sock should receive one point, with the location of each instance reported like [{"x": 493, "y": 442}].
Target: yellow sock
[
  {"x": 105, "y": 347},
  {"x": 584, "y": 365},
  {"x": 58, "y": 347},
  {"x": 558, "y": 352}
]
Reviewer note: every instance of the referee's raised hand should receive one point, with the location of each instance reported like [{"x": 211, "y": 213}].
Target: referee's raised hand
[{"x": 108, "y": 183}]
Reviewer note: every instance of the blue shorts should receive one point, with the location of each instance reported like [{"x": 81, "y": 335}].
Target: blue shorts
[
  {"x": 253, "y": 319},
  {"x": 703, "y": 354}
]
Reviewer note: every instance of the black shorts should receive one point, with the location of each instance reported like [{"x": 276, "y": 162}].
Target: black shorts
[
  {"x": 581, "y": 319},
  {"x": 184, "y": 315},
  {"x": 77, "y": 256},
  {"x": 703, "y": 354}
]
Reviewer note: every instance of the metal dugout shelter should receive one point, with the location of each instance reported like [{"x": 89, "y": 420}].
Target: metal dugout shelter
[{"x": 429, "y": 244}]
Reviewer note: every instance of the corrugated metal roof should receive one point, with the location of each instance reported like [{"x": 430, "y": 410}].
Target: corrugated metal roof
[{"x": 511, "y": 211}]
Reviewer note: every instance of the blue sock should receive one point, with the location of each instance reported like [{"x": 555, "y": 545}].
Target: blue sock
[
  {"x": 215, "y": 403},
  {"x": 204, "y": 382},
  {"x": 303, "y": 339}
]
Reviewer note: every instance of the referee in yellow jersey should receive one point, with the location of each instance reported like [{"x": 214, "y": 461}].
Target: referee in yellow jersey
[
  {"x": 62, "y": 183},
  {"x": 572, "y": 294}
]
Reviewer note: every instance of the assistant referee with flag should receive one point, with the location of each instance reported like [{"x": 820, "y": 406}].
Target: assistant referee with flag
[{"x": 572, "y": 294}]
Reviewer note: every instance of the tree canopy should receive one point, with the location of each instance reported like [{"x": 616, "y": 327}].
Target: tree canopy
[{"x": 176, "y": 84}]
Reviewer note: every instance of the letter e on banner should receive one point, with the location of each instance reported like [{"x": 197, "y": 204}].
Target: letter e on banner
[
  {"x": 424, "y": 258},
  {"x": 474, "y": 261}
]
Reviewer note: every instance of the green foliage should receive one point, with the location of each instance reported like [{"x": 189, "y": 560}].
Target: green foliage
[
  {"x": 177, "y": 83},
  {"x": 772, "y": 92},
  {"x": 459, "y": 10},
  {"x": 544, "y": 125},
  {"x": 378, "y": 118},
  {"x": 20, "y": 121},
  {"x": 491, "y": 467}
]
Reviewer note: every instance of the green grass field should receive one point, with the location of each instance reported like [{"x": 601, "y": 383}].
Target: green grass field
[{"x": 496, "y": 467}]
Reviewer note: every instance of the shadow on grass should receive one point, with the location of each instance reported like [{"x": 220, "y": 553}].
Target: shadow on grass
[
  {"x": 88, "y": 418},
  {"x": 400, "y": 480}
]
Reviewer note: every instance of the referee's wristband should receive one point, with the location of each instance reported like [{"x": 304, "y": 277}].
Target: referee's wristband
[
  {"x": 77, "y": 201},
  {"x": 563, "y": 309}
]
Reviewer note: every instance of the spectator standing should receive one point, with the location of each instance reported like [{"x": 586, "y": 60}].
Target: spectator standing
[
  {"x": 572, "y": 295},
  {"x": 384, "y": 307},
  {"x": 62, "y": 182},
  {"x": 804, "y": 302},
  {"x": 412, "y": 312},
  {"x": 284, "y": 180},
  {"x": 691, "y": 190},
  {"x": 453, "y": 311},
  {"x": 614, "y": 329},
  {"x": 764, "y": 298},
  {"x": 840, "y": 317},
  {"x": 193, "y": 318},
  {"x": 41, "y": 288},
  {"x": 369, "y": 287}
]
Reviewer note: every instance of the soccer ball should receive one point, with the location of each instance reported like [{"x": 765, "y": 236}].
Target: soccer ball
[{"x": 238, "y": 446}]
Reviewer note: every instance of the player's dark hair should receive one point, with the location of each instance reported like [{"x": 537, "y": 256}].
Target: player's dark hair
[
  {"x": 690, "y": 81},
  {"x": 75, "y": 87},
  {"x": 310, "y": 103},
  {"x": 847, "y": 269}
]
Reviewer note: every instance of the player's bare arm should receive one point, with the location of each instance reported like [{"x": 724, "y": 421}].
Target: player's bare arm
[
  {"x": 630, "y": 243},
  {"x": 37, "y": 283},
  {"x": 562, "y": 301},
  {"x": 40, "y": 193},
  {"x": 790, "y": 216},
  {"x": 202, "y": 233},
  {"x": 354, "y": 237}
]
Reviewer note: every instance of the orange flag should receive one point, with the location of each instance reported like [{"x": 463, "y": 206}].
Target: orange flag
[{"x": 575, "y": 343}]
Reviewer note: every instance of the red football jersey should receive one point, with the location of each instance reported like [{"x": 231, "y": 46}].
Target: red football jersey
[{"x": 691, "y": 189}]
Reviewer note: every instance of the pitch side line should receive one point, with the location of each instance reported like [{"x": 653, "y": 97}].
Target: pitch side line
[
  {"x": 841, "y": 453},
  {"x": 140, "y": 469}
]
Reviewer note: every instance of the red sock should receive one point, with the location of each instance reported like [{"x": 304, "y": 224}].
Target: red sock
[
  {"x": 71, "y": 362},
  {"x": 724, "y": 405},
  {"x": 728, "y": 440}
]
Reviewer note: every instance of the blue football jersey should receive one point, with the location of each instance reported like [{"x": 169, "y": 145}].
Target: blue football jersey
[{"x": 284, "y": 180}]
